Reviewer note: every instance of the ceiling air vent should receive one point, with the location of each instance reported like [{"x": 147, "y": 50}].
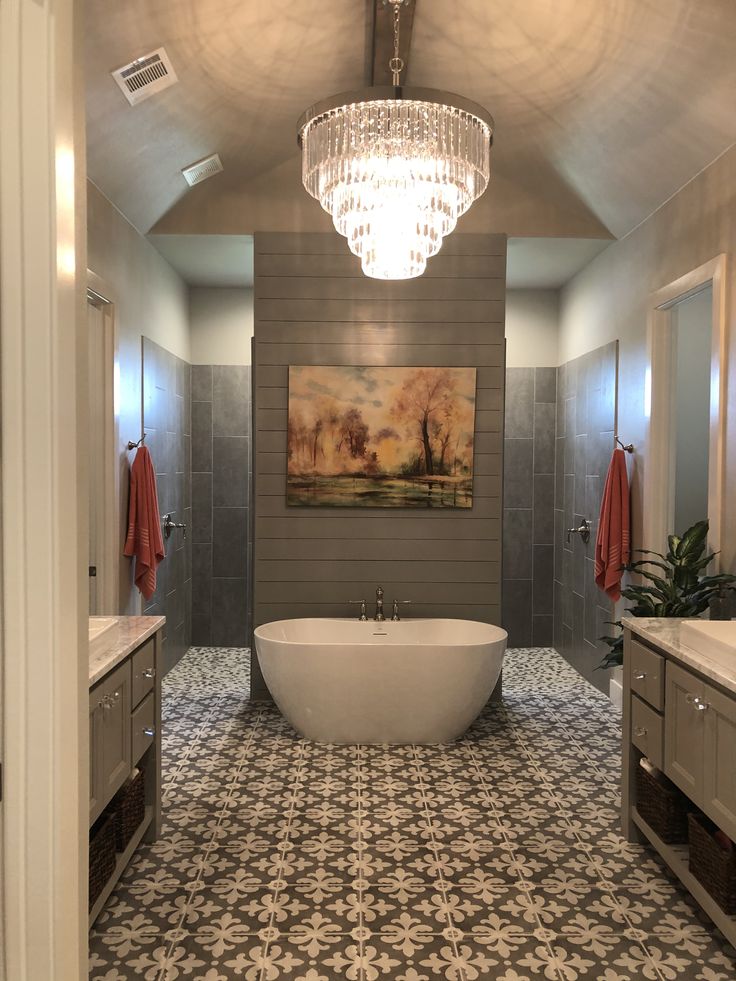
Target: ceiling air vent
[
  {"x": 202, "y": 169},
  {"x": 145, "y": 76}
]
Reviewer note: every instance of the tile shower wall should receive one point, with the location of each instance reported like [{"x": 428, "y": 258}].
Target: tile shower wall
[
  {"x": 528, "y": 511},
  {"x": 221, "y": 545},
  {"x": 167, "y": 425},
  {"x": 586, "y": 423}
]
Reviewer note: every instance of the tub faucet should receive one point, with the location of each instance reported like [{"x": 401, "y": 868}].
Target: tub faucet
[
  {"x": 362, "y": 608},
  {"x": 379, "y": 605}
]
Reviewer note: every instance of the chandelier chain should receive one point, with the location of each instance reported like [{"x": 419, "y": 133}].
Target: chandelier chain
[{"x": 396, "y": 64}]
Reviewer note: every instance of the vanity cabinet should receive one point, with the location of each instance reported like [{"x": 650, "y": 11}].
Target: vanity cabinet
[
  {"x": 125, "y": 732},
  {"x": 684, "y": 721},
  {"x": 110, "y": 760}
]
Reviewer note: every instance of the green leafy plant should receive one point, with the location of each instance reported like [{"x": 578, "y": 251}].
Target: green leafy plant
[{"x": 673, "y": 586}]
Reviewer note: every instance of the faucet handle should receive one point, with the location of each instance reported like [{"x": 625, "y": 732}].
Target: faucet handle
[
  {"x": 363, "y": 615},
  {"x": 397, "y": 603}
]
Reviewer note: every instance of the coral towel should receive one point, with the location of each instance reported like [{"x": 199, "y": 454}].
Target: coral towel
[
  {"x": 144, "y": 539},
  {"x": 613, "y": 545}
]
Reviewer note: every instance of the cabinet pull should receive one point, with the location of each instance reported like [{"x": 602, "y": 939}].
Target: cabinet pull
[
  {"x": 149, "y": 673},
  {"x": 149, "y": 731},
  {"x": 639, "y": 675},
  {"x": 697, "y": 703},
  {"x": 640, "y": 731}
]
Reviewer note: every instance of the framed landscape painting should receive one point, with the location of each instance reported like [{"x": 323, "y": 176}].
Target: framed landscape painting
[{"x": 380, "y": 437}]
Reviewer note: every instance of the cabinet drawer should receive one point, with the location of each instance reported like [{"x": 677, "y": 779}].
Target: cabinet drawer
[
  {"x": 647, "y": 731},
  {"x": 144, "y": 670},
  {"x": 647, "y": 674},
  {"x": 142, "y": 723}
]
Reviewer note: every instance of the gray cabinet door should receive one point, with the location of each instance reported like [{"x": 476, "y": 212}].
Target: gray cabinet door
[
  {"x": 684, "y": 731},
  {"x": 113, "y": 744},
  {"x": 719, "y": 770},
  {"x": 94, "y": 757}
]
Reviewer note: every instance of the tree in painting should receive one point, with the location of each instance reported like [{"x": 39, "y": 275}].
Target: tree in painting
[{"x": 386, "y": 437}]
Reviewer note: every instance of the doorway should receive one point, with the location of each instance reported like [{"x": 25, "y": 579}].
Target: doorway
[
  {"x": 101, "y": 444},
  {"x": 684, "y": 403}
]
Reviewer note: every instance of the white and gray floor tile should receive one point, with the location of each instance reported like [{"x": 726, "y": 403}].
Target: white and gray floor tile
[{"x": 496, "y": 857}]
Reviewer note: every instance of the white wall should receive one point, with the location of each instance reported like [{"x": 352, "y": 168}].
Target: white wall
[
  {"x": 221, "y": 325},
  {"x": 532, "y": 328},
  {"x": 151, "y": 299},
  {"x": 609, "y": 299}
]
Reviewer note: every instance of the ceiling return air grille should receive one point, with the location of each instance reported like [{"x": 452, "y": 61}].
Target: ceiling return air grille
[
  {"x": 202, "y": 169},
  {"x": 145, "y": 76}
]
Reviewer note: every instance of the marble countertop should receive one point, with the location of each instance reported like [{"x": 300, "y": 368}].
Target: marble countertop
[
  {"x": 665, "y": 633},
  {"x": 132, "y": 632}
]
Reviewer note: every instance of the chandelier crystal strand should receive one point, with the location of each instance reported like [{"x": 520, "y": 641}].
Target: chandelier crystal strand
[{"x": 395, "y": 170}]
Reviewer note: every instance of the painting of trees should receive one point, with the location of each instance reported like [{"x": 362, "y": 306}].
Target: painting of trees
[{"x": 380, "y": 436}]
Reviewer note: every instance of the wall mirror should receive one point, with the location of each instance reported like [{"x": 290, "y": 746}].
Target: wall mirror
[{"x": 685, "y": 404}]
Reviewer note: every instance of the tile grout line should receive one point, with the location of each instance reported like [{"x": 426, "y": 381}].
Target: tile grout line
[{"x": 361, "y": 882}]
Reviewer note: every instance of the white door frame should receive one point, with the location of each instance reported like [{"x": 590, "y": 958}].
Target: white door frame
[
  {"x": 43, "y": 493},
  {"x": 659, "y": 483},
  {"x": 108, "y": 567}
]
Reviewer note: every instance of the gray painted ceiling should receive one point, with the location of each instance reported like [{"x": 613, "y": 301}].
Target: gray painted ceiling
[
  {"x": 548, "y": 263},
  {"x": 603, "y": 108}
]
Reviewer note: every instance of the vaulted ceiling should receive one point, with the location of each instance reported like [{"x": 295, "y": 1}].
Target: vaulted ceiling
[{"x": 603, "y": 108}]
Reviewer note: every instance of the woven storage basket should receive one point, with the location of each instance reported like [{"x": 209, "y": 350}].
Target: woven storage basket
[
  {"x": 129, "y": 808},
  {"x": 712, "y": 866},
  {"x": 101, "y": 858},
  {"x": 662, "y": 806}
]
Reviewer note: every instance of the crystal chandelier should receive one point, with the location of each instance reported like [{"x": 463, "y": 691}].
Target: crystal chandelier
[{"x": 395, "y": 167}]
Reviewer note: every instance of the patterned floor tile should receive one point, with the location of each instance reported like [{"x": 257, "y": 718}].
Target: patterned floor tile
[{"x": 498, "y": 856}]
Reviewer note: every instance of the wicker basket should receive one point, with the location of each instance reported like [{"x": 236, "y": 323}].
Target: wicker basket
[
  {"x": 101, "y": 858},
  {"x": 662, "y": 806},
  {"x": 129, "y": 807},
  {"x": 712, "y": 866}
]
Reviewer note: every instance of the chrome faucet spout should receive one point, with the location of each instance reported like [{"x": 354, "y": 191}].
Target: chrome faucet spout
[{"x": 379, "y": 605}]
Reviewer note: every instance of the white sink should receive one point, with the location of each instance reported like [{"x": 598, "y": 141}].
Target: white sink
[
  {"x": 711, "y": 638},
  {"x": 103, "y": 634}
]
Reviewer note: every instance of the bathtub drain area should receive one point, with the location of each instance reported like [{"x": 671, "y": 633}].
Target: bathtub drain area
[{"x": 498, "y": 856}]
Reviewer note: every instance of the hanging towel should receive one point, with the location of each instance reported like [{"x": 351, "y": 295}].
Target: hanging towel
[
  {"x": 613, "y": 545},
  {"x": 144, "y": 540}
]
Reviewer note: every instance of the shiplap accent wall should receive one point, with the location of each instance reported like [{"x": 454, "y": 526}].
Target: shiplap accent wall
[{"x": 314, "y": 307}]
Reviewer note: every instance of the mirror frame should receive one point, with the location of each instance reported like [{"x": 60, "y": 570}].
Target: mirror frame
[{"x": 659, "y": 489}]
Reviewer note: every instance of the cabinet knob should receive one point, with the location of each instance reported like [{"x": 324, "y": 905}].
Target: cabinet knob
[
  {"x": 149, "y": 731},
  {"x": 149, "y": 673},
  {"x": 640, "y": 731},
  {"x": 699, "y": 704},
  {"x": 639, "y": 675}
]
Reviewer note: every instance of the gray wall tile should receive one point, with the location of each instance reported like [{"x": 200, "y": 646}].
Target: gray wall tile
[
  {"x": 202, "y": 437},
  {"x": 230, "y": 400},
  {"x": 543, "y": 600},
  {"x": 544, "y": 517},
  {"x": 544, "y": 437},
  {"x": 545, "y": 385},
  {"x": 517, "y": 605},
  {"x": 201, "y": 383},
  {"x": 229, "y": 543},
  {"x": 519, "y": 407},
  {"x": 518, "y": 486},
  {"x": 517, "y": 544},
  {"x": 201, "y": 508},
  {"x": 229, "y": 612},
  {"x": 230, "y": 471}
]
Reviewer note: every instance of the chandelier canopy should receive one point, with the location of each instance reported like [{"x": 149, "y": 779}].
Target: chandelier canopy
[{"x": 395, "y": 168}]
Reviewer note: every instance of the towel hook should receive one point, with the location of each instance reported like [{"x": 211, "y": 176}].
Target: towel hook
[
  {"x": 628, "y": 447},
  {"x": 134, "y": 446}
]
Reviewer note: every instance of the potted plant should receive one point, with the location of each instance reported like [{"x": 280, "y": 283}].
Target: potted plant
[{"x": 673, "y": 586}]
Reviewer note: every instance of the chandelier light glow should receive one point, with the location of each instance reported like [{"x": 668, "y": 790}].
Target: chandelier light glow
[{"x": 395, "y": 168}]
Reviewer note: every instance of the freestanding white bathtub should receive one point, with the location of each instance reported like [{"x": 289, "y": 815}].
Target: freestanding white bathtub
[{"x": 412, "y": 681}]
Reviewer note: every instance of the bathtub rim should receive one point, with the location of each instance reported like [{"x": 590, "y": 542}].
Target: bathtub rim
[{"x": 343, "y": 642}]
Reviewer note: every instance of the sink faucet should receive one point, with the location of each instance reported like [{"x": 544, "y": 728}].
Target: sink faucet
[{"x": 379, "y": 605}]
